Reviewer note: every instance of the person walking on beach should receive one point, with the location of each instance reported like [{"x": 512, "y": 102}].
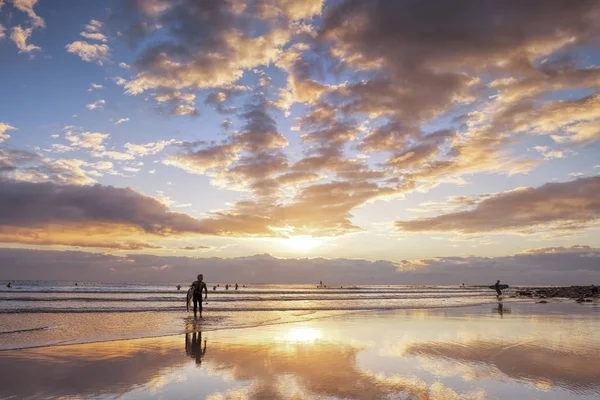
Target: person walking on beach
[
  {"x": 198, "y": 286},
  {"x": 497, "y": 287},
  {"x": 236, "y": 286}
]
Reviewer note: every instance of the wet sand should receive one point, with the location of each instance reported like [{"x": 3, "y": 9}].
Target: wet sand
[{"x": 529, "y": 351}]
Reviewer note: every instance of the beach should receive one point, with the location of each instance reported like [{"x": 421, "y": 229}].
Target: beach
[{"x": 521, "y": 350}]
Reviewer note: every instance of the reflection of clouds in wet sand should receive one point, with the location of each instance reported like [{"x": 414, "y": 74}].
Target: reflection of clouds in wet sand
[
  {"x": 538, "y": 363},
  {"x": 300, "y": 366},
  {"x": 111, "y": 368},
  {"x": 314, "y": 369}
]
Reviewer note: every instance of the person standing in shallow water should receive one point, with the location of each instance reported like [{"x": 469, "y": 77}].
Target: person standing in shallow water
[
  {"x": 198, "y": 286},
  {"x": 497, "y": 286}
]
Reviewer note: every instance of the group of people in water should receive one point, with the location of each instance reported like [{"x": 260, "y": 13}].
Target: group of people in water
[{"x": 216, "y": 286}]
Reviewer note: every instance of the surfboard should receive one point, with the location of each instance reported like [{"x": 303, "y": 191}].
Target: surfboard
[
  {"x": 189, "y": 297},
  {"x": 500, "y": 286}
]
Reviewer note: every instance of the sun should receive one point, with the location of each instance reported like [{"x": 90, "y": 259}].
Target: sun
[{"x": 302, "y": 243}]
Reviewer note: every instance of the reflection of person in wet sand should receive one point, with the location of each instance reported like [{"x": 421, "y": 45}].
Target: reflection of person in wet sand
[
  {"x": 193, "y": 348},
  {"x": 501, "y": 310}
]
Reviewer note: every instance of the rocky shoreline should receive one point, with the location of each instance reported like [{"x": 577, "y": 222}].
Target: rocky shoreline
[{"x": 580, "y": 293}]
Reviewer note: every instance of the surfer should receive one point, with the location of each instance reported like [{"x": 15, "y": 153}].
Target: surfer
[
  {"x": 497, "y": 287},
  {"x": 236, "y": 286},
  {"x": 197, "y": 287},
  {"x": 9, "y": 285},
  {"x": 178, "y": 287}
]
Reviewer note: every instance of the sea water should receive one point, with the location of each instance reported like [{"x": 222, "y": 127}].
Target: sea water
[{"x": 35, "y": 313}]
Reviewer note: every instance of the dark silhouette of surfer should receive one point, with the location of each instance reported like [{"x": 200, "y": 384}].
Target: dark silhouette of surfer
[
  {"x": 199, "y": 286},
  {"x": 497, "y": 287},
  {"x": 9, "y": 285},
  {"x": 236, "y": 286},
  {"x": 193, "y": 347},
  {"x": 178, "y": 287}
]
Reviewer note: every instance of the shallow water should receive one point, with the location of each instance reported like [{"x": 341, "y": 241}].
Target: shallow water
[
  {"x": 530, "y": 351},
  {"x": 40, "y": 313},
  {"x": 64, "y": 297}
]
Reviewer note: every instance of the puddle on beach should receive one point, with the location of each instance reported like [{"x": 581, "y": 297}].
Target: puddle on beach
[{"x": 473, "y": 353}]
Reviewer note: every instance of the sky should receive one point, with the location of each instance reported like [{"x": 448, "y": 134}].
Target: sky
[{"x": 389, "y": 142}]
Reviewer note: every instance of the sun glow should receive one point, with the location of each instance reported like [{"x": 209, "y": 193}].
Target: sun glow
[{"x": 302, "y": 243}]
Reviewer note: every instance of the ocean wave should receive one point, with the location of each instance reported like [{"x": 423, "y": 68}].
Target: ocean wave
[
  {"x": 241, "y": 292},
  {"x": 403, "y": 306},
  {"x": 42, "y": 328},
  {"x": 237, "y": 299}
]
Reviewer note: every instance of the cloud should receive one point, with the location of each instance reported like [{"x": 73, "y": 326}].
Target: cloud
[
  {"x": 113, "y": 155},
  {"x": 20, "y": 37},
  {"x": 27, "y": 6},
  {"x": 141, "y": 150},
  {"x": 92, "y": 216},
  {"x": 87, "y": 140},
  {"x": 98, "y": 53},
  {"x": 550, "y": 154},
  {"x": 561, "y": 206},
  {"x": 2, "y": 30},
  {"x": 549, "y": 266},
  {"x": 200, "y": 45},
  {"x": 92, "y": 31},
  {"x": 122, "y": 120},
  {"x": 94, "y": 26},
  {"x": 3, "y": 128},
  {"x": 124, "y": 65},
  {"x": 97, "y": 104},
  {"x": 571, "y": 267},
  {"x": 94, "y": 86},
  {"x": 94, "y": 36},
  {"x": 195, "y": 248},
  {"x": 181, "y": 103},
  {"x": 31, "y": 166}
]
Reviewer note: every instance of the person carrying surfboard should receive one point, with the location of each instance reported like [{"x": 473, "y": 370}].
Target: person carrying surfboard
[
  {"x": 196, "y": 292},
  {"x": 496, "y": 286}
]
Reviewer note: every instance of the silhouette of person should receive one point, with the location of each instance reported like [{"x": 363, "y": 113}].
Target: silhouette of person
[
  {"x": 193, "y": 347},
  {"x": 199, "y": 286},
  {"x": 178, "y": 287},
  {"x": 236, "y": 286},
  {"x": 9, "y": 285},
  {"x": 226, "y": 287},
  {"x": 214, "y": 288},
  {"x": 497, "y": 287}
]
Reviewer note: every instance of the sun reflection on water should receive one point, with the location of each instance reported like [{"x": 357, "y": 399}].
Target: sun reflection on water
[{"x": 303, "y": 335}]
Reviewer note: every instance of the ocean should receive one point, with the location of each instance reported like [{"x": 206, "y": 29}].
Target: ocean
[{"x": 36, "y": 313}]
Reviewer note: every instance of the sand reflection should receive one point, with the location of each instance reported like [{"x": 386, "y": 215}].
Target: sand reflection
[
  {"x": 97, "y": 369},
  {"x": 300, "y": 366},
  {"x": 533, "y": 362}
]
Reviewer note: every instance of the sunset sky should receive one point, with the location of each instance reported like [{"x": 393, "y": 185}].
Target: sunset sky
[{"x": 405, "y": 139}]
